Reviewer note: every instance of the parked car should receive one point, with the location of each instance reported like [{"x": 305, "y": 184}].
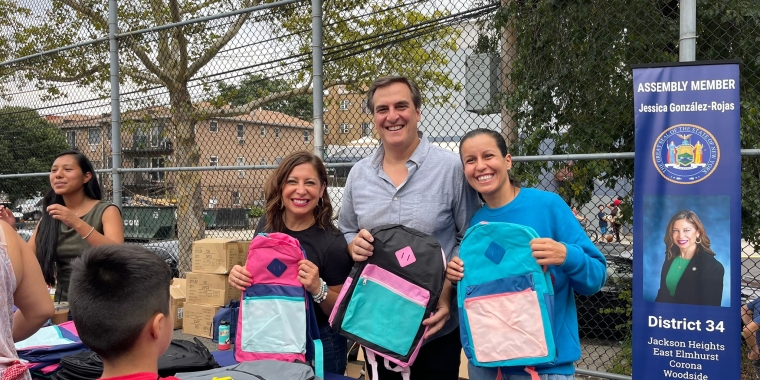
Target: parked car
[
  {"x": 336, "y": 198},
  {"x": 168, "y": 250},
  {"x": 30, "y": 208},
  {"x": 25, "y": 233},
  {"x": 603, "y": 315}
]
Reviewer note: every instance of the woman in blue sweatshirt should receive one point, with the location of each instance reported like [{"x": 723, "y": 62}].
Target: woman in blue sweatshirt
[{"x": 576, "y": 265}]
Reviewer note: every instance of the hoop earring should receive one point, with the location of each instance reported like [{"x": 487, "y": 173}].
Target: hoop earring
[
  {"x": 320, "y": 203},
  {"x": 698, "y": 241},
  {"x": 282, "y": 206}
]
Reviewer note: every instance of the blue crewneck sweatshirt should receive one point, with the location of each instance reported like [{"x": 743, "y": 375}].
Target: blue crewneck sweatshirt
[{"x": 584, "y": 270}]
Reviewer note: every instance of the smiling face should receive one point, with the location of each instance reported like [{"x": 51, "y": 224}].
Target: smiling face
[
  {"x": 301, "y": 192},
  {"x": 484, "y": 166},
  {"x": 685, "y": 235},
  {"x": 395, "y": 116},
  {"x": 66, "y": 175}
]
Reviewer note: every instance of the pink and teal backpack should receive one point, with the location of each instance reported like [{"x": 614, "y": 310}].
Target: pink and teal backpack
[
  {"x": 505, "y": 299},
  {"x": 385, "y": 298},
  {"x": 277, "y": 319}
]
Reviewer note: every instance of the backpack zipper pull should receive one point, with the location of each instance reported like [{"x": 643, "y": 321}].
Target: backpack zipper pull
[{"x": 365, "y": 281}]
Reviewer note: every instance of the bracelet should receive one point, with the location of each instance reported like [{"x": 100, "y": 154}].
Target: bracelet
[
  {"x": 88, "y": 234},
  {"x": 321, "y": 296}
]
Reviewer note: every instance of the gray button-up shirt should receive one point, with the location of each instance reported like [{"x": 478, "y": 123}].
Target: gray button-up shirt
[{"x": 435, "y": 199}]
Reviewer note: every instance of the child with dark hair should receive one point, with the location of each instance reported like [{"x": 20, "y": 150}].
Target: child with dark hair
[{"x": 119, "y": 298}]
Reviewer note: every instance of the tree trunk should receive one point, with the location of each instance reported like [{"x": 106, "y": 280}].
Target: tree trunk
[
  {"x": 190, "y": 226},
  {"x": 508, "y": 54}
]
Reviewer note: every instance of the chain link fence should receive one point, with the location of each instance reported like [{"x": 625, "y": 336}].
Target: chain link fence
[{"x": 212, "y": 95}]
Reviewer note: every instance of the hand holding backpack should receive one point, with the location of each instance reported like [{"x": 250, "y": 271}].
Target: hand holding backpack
[
  {"x": 277, "y": 319},
  {"x": 385, "y": 298}
]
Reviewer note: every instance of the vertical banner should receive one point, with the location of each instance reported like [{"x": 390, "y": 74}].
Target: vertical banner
[{"x": 687, "y": 222}]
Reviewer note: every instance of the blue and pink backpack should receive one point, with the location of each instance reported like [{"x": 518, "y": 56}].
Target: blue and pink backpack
[
  {"x": 505, "y": 299},
  {"x": 277, "y": 319},
  {"x": 385, "y": 298}
]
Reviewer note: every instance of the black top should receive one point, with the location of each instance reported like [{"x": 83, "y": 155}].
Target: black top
[
  {"x": 328, "y": 250},
  {"x": 700, "y": 284},
  {"x": 613, "y": 213}
]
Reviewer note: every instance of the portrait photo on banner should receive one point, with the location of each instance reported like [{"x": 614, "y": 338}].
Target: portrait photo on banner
[{"x": 686, "y": 249}]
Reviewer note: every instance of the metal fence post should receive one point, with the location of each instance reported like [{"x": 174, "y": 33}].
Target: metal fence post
[
  {"x": 687, "y": 44},
  {"x": 318, "y": 91},
  {"x": 113, "y": 47}
]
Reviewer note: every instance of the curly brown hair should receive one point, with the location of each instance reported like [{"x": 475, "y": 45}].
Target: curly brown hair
[{"x": 276, "y": 182}]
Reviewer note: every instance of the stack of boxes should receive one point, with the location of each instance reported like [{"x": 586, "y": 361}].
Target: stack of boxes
[
  {"x": 178, "y": 294},
  {"x": 207, "y": 285}
]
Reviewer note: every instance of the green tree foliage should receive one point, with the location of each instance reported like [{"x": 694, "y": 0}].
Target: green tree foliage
[
  {"x": 573, "y": 83},
  {"x": 28, "y": 144},
  {"x": 257, "y": 86},
  {"x": 362, "y": 40}
]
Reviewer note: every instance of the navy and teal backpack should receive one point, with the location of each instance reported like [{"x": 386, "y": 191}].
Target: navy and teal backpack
[{"x": 505, "y": 299}]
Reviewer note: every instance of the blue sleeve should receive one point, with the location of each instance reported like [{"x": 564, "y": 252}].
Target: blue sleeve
[{"x": 584, "y": 265}]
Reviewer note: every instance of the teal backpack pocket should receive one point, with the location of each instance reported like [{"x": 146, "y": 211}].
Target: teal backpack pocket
[
  {"x": 271, "y": 324},
  {"x": 386, "y": 309}
]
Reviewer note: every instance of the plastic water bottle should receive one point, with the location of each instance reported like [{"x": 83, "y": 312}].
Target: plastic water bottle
[{"x": 224, "y": 335}]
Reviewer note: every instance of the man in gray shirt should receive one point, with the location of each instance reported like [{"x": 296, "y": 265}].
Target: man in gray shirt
[{"x": 408, "y": 181}]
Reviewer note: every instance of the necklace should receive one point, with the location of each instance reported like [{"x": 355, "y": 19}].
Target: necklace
[{"x": 82, "y": 204}]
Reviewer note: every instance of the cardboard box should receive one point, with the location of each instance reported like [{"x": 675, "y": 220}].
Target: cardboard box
[
  {"x": 178, "y": 294},
  {"x": 243, "y": 246},
  {"x": 215, "y": 255},
  {"x": 210, "y": 289},
  {"x": 198, "y": 319}
]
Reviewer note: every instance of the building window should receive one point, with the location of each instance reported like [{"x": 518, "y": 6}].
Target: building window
[
  {"x": 140, "y": 177},
  {"x": 213, "y": 161},
  {"x": 157, "y": 163},
  {"x": 365, "y": 109},
  {"x": 240, "y": 162},
  {"x": 263, "y": 132},
  {"x": 306, "y": 136},
  {"x": 155, "y": 135},
  {"x": 236, "y": 198},
  {"x": 71, "y": 138},
  {"x": 366, "y": 129},
  {"x": 213, "y": 126},
  {"x": 344, "y": 128},
  {"x": 93, "y": 136},
  {"x": 139, "y": 140},
  {"x": 344, "y": 105},
  {"x": 326, "y": 129},
  {"x": 140, "y": 162},
  {"x": 240, "y": 131},
  {"x": 277, "y": 133},
  {"x": 212, "y": 202}
]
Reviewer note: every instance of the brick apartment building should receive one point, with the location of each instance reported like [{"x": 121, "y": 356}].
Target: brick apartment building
[{"x": 259, "y": 138}]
